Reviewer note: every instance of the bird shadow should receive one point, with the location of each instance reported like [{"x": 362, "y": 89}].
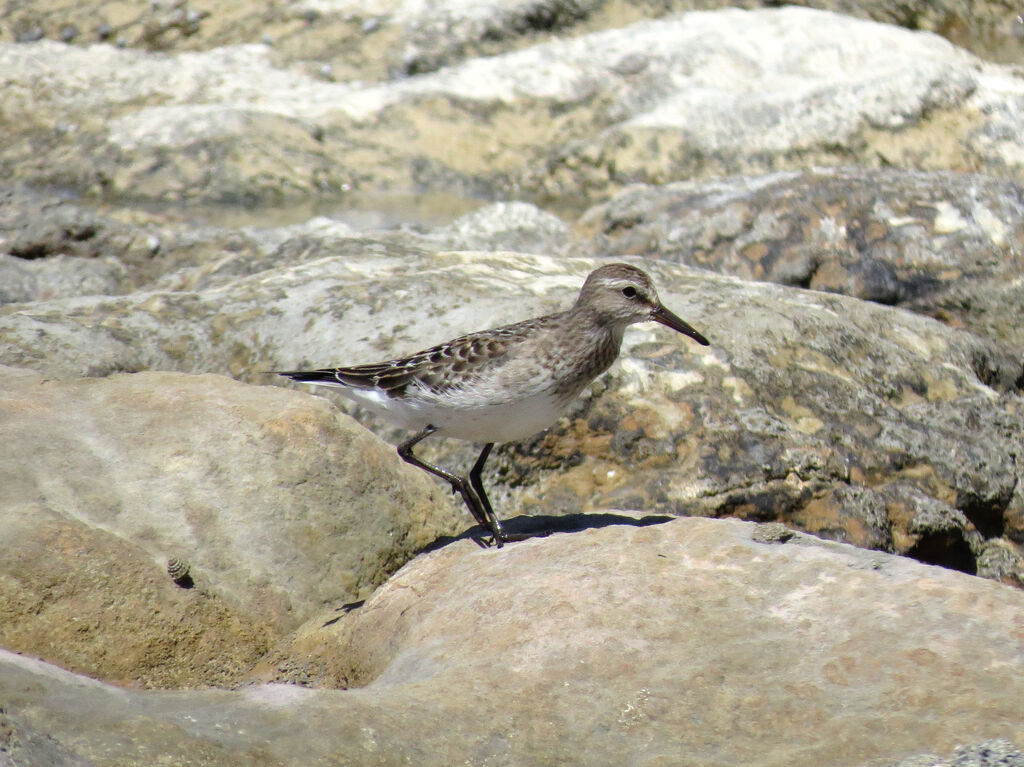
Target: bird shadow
[
  {"x": 344, "y": 610},
  {"x": 526, "y": 526},
  {"x": 523, "y": 528}
]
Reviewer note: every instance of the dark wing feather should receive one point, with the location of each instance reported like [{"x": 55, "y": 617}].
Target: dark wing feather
[
  {"x": 437, "y": 369},
  {"x": 309, "y": 376},
  {"x": 386, "y": 376}
]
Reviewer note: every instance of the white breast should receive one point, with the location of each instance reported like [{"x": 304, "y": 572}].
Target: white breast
[{"x": 471, "y": 416}]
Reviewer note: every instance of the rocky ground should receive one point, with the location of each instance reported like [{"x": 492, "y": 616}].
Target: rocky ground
[{"x": 200, "y": 565}]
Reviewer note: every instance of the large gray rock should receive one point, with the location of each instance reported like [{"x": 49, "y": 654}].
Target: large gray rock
[
  {"x": 53, "y": 245},
  {"x": 677, "y": 97},
  {"x": 624, "y": 642},
  {"x": 60, "y": 276},
  {"x": 949, "y": 245},
  {"x": 370, "y": 40},
  {"x": 277, "y": 502}
]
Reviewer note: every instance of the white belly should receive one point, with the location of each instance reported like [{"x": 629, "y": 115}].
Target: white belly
[{"x": 469, "y": 417}]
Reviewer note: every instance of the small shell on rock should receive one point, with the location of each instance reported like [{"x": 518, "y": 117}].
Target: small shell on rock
[{"x": 179, "y": 569}]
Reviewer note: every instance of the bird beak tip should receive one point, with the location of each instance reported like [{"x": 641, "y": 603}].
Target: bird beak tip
[{"x": 670, "y": 320}]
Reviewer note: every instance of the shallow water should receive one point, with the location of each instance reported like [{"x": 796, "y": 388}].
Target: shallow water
[{"x": 365, "y": 211}]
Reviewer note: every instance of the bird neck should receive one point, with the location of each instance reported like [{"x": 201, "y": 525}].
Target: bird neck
[
  {"x": 604, "y": 337},
  {"x": 594, "y": 321}
]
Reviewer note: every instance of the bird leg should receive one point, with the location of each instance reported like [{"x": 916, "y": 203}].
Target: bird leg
[
  {"x": 477, "y": 482},
  {"x": 478, "y": 485},
  {"x": 472, "y": 491}
]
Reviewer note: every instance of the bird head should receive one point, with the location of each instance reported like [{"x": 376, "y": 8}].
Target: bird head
[{"x": 621, "y": 295}]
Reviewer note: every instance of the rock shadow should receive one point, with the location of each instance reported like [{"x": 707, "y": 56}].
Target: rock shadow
[{"x": 527, "y": 526}]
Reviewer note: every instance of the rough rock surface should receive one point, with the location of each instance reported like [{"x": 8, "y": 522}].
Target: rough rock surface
[
  {"x": 278, "y": 503},
  {"x": 640, "y": 643},
  {"x": 516, "y": 226},
  {"x": 689, "y": 95},
  {"x": 361, "y": 39},
  {"x": 54, "y": 245},
  {"x": 237, "y": 188},
  {"x": 849, "y": 419},
  {"x": 59, "y": 276},
  {"x": 991, "y": 753},
  {"x": 948, "y": 245}
]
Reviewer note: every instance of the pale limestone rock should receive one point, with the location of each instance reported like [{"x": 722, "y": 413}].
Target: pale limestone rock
[
  {"x": 682, "y": 96},
  {"x": 279, "y": 503},
  {"x": 619, "y": 643}
]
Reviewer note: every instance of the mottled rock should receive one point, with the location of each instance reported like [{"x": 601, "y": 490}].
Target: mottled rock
[
  {"x": 278, "y": 503},
  {"x": 54, "y": 245},
  {"x": 998, "y": 752},
  {"x": 620, "y": 643},
  {"x": 370, "y": 40},
  {"x": 51, "y": 247},
  {"x": 515, "y": 226},
  {"x": 670, "y": 98},
  {"x": 59, "y": 277},
  {"x": 705, "y": 105},
  {"x": 948, "y": 245},
  {"x": 34, "y": 226},
  {"x": 21, "y": 745},
  {"x": 808, "y": 408},
  {"x": 170, "y": 530}
]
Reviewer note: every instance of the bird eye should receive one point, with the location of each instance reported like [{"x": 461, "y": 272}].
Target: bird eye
[{"x": 629, "y": 292}]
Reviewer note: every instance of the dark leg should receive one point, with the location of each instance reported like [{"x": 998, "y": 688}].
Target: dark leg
[
  {"x": 476, "y": 481},
  {"x": 478, "y": 485},
  {"x": 481, "y": 510}
]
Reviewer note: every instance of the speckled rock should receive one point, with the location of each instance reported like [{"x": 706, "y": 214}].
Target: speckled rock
[
  {"x": 623, "y": 642},
  {"x": 516, "y": 226},
  {"x": 998, "y": 752},
  {"x": 948, "y": 245},
  {"x": 369, "y": 40},
  {"x": 58, "y": 277},
  {"x": 277, "y": 503},
  {"x": 822, "y": 411},
  {"x": 670, "y": 98}
]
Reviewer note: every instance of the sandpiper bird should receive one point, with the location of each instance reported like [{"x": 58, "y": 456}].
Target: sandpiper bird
[{"x": 504, "y": 384}]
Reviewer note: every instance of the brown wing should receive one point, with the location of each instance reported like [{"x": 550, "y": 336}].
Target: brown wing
[{"x": 437, "y": 369}]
